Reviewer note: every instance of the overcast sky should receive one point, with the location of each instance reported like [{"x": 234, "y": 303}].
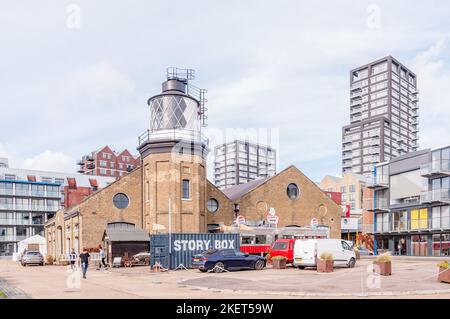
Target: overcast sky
[{"x": 76, "y": 75}]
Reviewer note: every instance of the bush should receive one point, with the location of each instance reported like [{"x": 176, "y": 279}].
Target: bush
[
  {"x": 444, "y": 264},
  {"x": 278, "y": 258},
  {"x": 386, "y": 257},
  {"x": 326, "y": 256}
]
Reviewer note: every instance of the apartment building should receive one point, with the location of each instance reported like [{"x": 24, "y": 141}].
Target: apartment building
[
  {"x": 28, "y": 198},
  {"x": 411, "y": 203},
  {"x": 106, "y": 162},
  {"x": 353, "y": 190},
  {"x": 239, "y": 162},
  {"x": 383, "y": 115}
]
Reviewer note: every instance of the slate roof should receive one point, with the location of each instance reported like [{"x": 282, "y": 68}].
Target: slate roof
[
  {"x": 236, "y": 192},
  {"x": 132, "y": 234}
]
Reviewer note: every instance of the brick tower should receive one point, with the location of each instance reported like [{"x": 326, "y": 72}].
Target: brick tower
[{"x": 173, "y": 153}]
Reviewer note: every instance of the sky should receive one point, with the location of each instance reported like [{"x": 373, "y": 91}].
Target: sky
[{"x": 76, "y": 75}]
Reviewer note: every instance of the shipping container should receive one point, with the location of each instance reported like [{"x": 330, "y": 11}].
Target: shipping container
[{"x": 176, "y": 250}]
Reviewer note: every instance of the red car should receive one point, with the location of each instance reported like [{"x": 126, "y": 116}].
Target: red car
[{"x": 283, "y": 247}]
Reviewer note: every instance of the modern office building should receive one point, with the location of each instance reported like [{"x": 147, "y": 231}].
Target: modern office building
[
  {"x": 412, "y": 203},
  {"x": 28, "y": 198},
  {"x": 239, "y": 162},
  {"x": 106, "y": 162},
  {"x": 383, "y": 115}
]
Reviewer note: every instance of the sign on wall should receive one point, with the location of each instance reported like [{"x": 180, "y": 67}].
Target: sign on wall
[
  {"x": 240, "y": 220},
  {"x": 345, "y": 210},
  {"x": 272, "y": 219},
  {"x": 314, "y": 222},
  {"x": 349, "y": 224}
]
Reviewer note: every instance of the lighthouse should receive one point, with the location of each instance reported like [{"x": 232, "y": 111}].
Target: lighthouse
[{"x": 173, "y": 152}]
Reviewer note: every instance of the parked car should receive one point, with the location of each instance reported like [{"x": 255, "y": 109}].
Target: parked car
[
  {"x": 307, "y": 251},
  {"x": 227, "y": 259},
  {"x": 283, "y": 247},
  {"x": 365, "y": 251},
  {"x": 32, "y": 258}
]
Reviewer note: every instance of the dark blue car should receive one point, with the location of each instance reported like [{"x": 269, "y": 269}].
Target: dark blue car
[{"x": 227, "y": 259}]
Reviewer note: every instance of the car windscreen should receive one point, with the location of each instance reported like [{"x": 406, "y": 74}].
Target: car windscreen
[
  {"x": 33, "y": 253},
  {"x": 280, "y": 246},
  {"x": 209, "y": 252}
]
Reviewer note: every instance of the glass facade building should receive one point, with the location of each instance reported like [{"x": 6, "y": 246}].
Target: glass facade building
[
  {"x": 240, "y": 162},
  {"x": 383, "y": 116},
  {"x": 411, "y": 204},
  {"x": 24, "y": 208}
]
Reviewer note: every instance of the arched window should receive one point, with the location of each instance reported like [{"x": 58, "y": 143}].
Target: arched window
[
  {"x": 292, "y": 191},
  {"x": 120, "y": 225}
]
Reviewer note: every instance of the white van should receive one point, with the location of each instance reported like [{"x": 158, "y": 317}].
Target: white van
[{"x": 306, "y": 252}]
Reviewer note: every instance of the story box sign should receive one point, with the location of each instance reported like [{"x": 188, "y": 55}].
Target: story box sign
[{"x": 177, "y": 250}]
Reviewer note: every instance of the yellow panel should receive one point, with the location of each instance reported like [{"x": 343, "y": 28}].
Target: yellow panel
[
  {"x": 415, "y": 219},
  {"x": 424, "y": 218}
]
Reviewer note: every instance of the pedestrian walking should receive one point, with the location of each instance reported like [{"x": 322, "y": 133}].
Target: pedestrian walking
[
  {"x": 102, "y": 257},
  {"x": 84, "y": 261},
  {"x": 73, "y": 259}
]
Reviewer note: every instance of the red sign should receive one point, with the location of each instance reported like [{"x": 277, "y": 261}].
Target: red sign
[
  {"x": 272, "y": 219},
  {"x": 240, "y": 220},
  {"x": 346, "y": 211}
]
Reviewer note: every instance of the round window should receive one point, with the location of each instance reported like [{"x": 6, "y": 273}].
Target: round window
[
  {"x": 212, "y": 205},
  {"x": 121, "y": 201},
  {"x": 292, "y": 191}
]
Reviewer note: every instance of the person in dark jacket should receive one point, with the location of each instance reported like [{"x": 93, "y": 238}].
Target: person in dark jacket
[{"x": 84, "y": 261}]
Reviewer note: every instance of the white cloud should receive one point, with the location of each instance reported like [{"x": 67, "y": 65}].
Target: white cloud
[{"x": 50, "y": 161}]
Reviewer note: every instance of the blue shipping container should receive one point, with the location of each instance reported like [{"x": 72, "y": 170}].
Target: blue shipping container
[{"x": 176, "y": 250}]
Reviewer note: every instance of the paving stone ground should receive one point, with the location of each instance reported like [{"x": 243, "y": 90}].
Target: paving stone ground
[{"x": 412, "y": 278}]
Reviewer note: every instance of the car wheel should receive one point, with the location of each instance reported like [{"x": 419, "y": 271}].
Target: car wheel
[
  {"x": 301, "y": 267},
  {"x": 41, "y": 264},
  {"x": 24, "y": 264},
  {"x": 259, "y": 265},
  {"x": 203, "y": 270},
  {"x": 351, "y": 263},
  {"x": 219, "y": 267}
]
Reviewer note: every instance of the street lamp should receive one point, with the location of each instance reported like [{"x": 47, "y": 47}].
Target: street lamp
[{"x": 236, "y": 210}]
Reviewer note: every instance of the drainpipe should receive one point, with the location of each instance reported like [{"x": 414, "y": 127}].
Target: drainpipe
[{"x": 375, "y": 249}]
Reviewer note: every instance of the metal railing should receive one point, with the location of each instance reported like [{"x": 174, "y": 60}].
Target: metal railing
[
  {"x": 436, "y": 195},
  {"x": 173, "y": 134},
  {"x": 435, "y": 167},
  {"x": 380, "y": 204}
]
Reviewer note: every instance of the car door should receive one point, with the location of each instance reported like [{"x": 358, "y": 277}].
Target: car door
[
  {"x": 229, "y": 258},
  {"x": 243, "y": 260},
  {"x": 347, "y": 252}
]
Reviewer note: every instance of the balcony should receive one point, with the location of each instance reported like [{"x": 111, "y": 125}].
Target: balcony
[
  {"x": 347, "y": 164},
  {"x": 90, "y": 166},
  {"x": 81, "y": 170},
  {"x": 346, "y": 140},
  {"x": 80, "y": 162},
  {"x": 380, "y": 205},
  {"x": 356, "y": 86},
  {"x": 355, "y": 102},
  {"x": 435, "y": 169},
  {"x": 414, "y": 107},
  {"x": 378, "y": 183},
  {"x": 347, "y": 156},
  {"x": 435, "y": 196},
  {"x": 346, "y": 148}
]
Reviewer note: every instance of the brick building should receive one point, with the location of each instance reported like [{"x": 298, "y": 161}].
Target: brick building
[
  {"x": 106, "y": 162},
  {"x": 170, "y": 187}
]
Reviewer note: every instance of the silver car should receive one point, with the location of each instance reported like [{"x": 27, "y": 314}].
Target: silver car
[{"x": 32, "y": 258}]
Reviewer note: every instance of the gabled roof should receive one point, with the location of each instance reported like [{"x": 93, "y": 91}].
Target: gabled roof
[{"x": 238, "y": 191}]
